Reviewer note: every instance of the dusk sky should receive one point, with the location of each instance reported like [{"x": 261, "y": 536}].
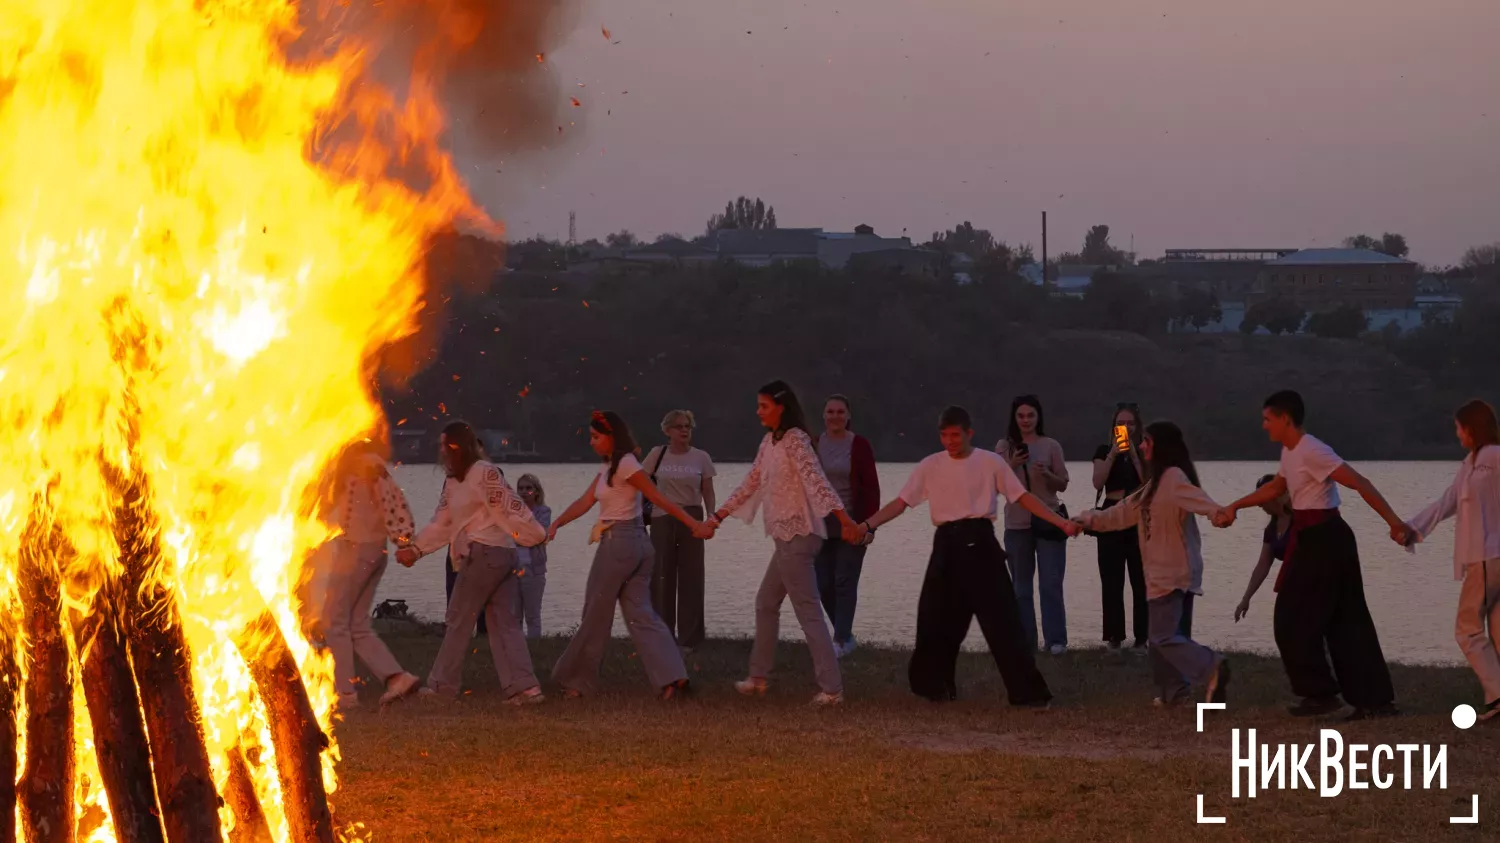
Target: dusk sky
[{"x": 1272, "y": 123}]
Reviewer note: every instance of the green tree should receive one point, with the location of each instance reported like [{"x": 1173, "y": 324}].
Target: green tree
[
  {"x": 1278, "y": 316},
  {"x": 964, "y": 239},
  {"x": 1196, "y": 309},
  {"x": 622, "y": 239},
  {"x": 1482, "y": 260},
  {"x": 743, "y": 213},
  {"x": 1097, "y": 249},
  {"x": 1118, "y": 302},
  {"x": 1386, "y": 244},
  {"x": 1345, "y": 323}
]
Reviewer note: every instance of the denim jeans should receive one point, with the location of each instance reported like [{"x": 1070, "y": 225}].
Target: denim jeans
[
  {"x": 1042, "y": 561},
  {"x": 838, "y": 566},
  {"x": 1177, "y": 661}
]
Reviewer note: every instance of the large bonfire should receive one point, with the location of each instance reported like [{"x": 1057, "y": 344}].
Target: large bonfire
[{"x": 205, "y": 243}]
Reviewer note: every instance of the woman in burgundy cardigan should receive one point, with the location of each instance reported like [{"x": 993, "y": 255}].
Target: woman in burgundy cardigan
[{"x": 849, "y": 462}]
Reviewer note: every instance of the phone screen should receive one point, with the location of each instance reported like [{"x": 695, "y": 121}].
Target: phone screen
[{"x": 1122, "y": 437}]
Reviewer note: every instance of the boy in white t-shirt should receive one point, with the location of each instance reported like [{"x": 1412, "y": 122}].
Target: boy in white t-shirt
[
  {"x": 966, "y": 574},
  {"x": 1321, "y": 594}
]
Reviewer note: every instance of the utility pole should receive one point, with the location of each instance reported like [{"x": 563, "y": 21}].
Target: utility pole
[
  {"x": 1044, "y": 249},
  {"x": 572, "y": 228}
]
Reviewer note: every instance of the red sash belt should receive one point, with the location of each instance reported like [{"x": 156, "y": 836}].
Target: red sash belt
[{"x": 1301, "y": 520}]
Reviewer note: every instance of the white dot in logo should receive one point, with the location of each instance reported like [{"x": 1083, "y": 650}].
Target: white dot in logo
[{"x": 1464, "y": 716}]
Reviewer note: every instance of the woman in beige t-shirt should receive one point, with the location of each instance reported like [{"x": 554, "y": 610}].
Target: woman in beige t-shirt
[
  {"x": 685, "y": 475},
  {"x": 1036, "y": 557}
]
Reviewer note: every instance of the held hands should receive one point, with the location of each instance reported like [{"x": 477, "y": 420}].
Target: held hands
[
  {"x": 407, "y": 556},
  {"x": 1223, "y": 518},
  {"x": 552, "y": 532},
  {"x": 1404, "y": 535},
  {"x": 704, "y": 530},
  {"x": 853, "y": 533}
]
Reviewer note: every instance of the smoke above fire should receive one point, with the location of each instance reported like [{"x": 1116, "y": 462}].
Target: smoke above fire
[{"x": 480, "y": 64}]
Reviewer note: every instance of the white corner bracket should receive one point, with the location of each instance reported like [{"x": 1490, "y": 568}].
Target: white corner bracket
[
  {"x": 1202, "y": 707},
  {"x": 1474, "y": 820},
  {"x": 1202, "y": 820}
]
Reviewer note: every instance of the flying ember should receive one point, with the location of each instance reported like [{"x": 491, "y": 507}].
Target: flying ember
[{"x": 204, "y": 249}]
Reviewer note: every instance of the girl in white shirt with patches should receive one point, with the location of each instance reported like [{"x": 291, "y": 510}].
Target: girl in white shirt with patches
[
  {"x": 1474, "y": 498},
  {"x": 478, "y": 504}
]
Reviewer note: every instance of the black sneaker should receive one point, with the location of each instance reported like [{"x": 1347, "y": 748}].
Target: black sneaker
[
  {"x": 1218, "y": 683},
  {"x": 1315, "y": 707},
  {"x": 1377, "y": 713}
]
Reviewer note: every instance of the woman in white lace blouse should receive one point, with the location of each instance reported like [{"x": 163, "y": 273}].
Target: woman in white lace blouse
[{"x": 788, "y": 483}]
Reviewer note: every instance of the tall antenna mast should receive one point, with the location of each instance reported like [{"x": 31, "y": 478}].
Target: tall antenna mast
[{"x": 572, "y": 228}]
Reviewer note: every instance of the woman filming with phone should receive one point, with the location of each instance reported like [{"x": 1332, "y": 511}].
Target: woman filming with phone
[
  {"x": 1118, "y": 471},
  {"x": 1037, "y": 551}
]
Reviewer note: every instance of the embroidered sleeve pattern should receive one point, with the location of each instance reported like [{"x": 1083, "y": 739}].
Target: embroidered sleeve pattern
[
  {"x": 820, "y": 494},
  {"x": 507, "y": 508}
]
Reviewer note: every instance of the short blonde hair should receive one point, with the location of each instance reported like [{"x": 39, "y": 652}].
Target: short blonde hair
[{"x": 674, "y": 415}]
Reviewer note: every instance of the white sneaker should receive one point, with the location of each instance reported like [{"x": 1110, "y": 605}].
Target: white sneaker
[
  {"x": 847, "y": 647},
  {"x": 1058, "y": 649},
  {"x": 400, "y": 687},
  {"x": 751, "y": 687},
  {"x": 824, "y": 699}
]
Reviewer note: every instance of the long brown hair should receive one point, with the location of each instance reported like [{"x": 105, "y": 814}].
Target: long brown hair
[
  {"x": 1478, "y": 419},
  {"x": 463, "y": 442},
  {"x": 1168, "y": 450},
  {"x": 610, "y": 424}
]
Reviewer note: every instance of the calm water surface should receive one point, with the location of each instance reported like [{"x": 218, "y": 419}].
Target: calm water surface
[{"x": 1411, "y": 597}]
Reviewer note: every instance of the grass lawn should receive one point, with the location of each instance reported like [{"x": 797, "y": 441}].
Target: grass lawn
[{"x": 1101, "y": 765}]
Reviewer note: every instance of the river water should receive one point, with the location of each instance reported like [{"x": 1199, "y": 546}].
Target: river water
[{"x": 1412, "y": 597}]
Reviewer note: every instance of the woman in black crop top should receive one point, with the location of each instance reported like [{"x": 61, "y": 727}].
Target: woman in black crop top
[{"x": 1116, "y": 474}]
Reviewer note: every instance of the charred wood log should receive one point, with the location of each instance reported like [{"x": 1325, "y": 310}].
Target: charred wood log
[
  {"x": 298, "y": 739},
  {"x": 46, "y": 787},
  {"x": 120, "y": 742}
]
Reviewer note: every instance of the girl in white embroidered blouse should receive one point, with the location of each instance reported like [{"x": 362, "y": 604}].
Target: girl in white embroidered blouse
[{"x": 788, "y": 483}]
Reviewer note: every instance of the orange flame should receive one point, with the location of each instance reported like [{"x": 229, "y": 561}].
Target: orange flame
[{"x": 252, "y": 229}]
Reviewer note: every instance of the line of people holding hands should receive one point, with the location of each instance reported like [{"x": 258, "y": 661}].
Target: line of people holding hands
[{"x": 1326, "y": 637}]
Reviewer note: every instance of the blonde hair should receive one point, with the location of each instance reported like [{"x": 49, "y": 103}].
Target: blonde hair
[
  {"x": 541, "y": 494},
  {"x": 674, "y": 415}
]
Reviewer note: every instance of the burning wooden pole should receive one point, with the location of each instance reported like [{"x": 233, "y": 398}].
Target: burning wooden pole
[
  {"x": 249, "y": 818},
  {"x": 120, "y": 741},
  {"x": 298, "y": 739},
  {"x": 9, "y": 671},
  {"x": 46, "y": 786},
  {"x": 164, "y": 675}
]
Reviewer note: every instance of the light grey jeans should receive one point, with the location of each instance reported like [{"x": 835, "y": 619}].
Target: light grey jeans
[
  {"x": 1479, "y": 622},
  {"x": 1177, "y": 661},
  {"x": 791, "y": 574},
  {"x": 621, "y": 573},
  {"x": 487, "y": 583},
  {"x": 353, "y": 574},
  {"x": 529, "y": 602}
]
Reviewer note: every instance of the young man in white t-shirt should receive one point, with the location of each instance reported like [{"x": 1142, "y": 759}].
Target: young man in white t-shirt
[
  {"x": 966, "y": 575},
  {"x": 1321, "y": 594}
]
